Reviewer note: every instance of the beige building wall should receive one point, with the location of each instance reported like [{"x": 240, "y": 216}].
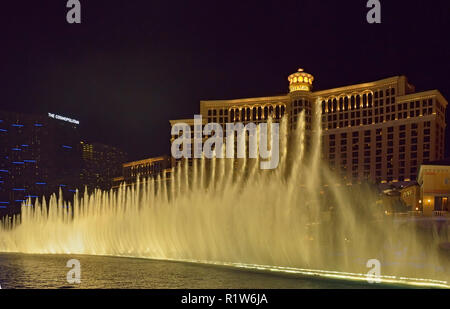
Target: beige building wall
[{"x": 434, "y": 181}]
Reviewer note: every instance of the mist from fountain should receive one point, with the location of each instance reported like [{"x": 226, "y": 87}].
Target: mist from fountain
[{"x": 296, "y": 218}]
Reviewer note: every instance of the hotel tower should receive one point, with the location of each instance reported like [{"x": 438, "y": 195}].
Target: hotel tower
[{"x": 380, "y": 131}]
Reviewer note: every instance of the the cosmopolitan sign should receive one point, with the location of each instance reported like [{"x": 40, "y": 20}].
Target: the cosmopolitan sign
[{"x": 59, "y": 117}]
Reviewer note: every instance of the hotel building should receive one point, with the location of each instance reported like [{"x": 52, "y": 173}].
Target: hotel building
[
  {"x": 39, "y": 156},
  {"x": 380, "y": 131},
  {"x": 146, "y": 168}
]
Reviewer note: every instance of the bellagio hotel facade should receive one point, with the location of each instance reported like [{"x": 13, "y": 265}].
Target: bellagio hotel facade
[{"x": 380, "y": 131}]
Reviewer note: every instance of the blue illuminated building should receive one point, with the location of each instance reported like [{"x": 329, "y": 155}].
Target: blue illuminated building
[{"x": 38, "y": 153}]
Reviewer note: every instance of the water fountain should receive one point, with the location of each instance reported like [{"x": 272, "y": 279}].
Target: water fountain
[{"x": 296, "y": 219}]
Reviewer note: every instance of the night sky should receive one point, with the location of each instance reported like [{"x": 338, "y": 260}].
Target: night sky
[{"x": 130, "y": 66}]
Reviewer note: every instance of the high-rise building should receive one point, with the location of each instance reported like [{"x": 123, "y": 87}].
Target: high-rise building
[
  {"x": 100, "y": 164},
  {"x": 380, "y": 131},
  {"x": 39, "y": 155}
]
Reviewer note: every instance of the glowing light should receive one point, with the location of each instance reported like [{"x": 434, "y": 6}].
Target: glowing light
[{"x": 67, "y": 119}]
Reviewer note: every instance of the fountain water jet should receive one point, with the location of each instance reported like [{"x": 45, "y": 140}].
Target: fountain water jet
[{"x": 228, "y": 212}]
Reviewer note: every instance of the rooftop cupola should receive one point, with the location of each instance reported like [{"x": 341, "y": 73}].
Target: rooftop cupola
[{"x": 300, "y": 81}]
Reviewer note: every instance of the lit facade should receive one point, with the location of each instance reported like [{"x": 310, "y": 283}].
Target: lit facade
[
  {"x": 383, "y": 130},
  {"x": 380, "y": 131},
  {"x": 410, "y": 196},
  {"x": 146, "y": 168},
  {"x": 434, "y": 181}
]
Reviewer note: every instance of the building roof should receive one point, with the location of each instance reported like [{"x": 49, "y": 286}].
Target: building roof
[
  {"x": 146, "y": 161},
  {"x": 442, "y": 162}
]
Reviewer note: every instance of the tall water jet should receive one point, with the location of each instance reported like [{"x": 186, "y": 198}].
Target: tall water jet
[{"x": 296, "y": 218}]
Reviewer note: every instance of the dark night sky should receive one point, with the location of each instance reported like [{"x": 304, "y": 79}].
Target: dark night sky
[{"x": 130, "y": 66}]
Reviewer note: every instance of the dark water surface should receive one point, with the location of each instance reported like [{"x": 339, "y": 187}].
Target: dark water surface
[{"x": 49, "y": 271}]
